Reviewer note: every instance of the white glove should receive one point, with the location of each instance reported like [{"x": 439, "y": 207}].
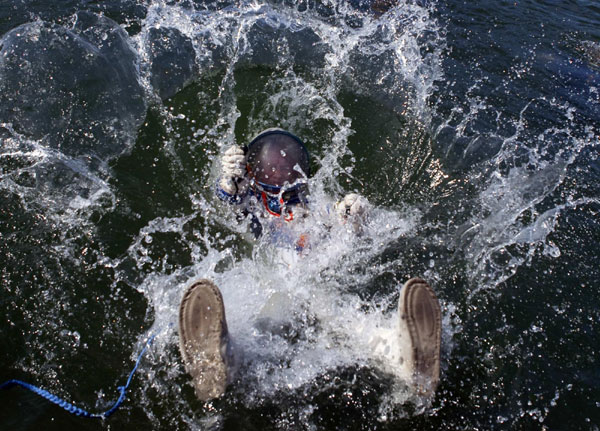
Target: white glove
[
  {"x": 233, "y": 171},
  {"x": 354, "y": 206}
]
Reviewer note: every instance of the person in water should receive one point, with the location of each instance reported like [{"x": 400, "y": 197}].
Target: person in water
[{"x": 267, "y": 180}]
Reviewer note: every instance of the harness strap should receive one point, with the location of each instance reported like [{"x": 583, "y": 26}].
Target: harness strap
[{"x": 290, "y": 215}]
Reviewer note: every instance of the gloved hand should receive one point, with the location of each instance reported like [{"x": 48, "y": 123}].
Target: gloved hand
[
  {"x": 352, "y": 206},
  {"x": 233, "y": 171}
]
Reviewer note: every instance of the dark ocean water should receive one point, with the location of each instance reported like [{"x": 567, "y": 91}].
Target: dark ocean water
[{"x": 472, "y": 127}]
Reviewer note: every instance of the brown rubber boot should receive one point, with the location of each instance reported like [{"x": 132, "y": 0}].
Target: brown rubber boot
[
  {"x": 204, "y": 340},
  {"x": 420, "y": 329}
]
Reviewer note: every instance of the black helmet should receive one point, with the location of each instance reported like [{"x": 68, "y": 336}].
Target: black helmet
[{"x": 276, "y": 157}]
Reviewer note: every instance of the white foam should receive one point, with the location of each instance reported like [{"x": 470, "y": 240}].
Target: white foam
[{"x": 295, "y": 317}]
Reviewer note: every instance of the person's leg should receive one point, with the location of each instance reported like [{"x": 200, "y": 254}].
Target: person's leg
[
  {"x": 420, "y": 327},
  {"x": 204, "y": 340}
]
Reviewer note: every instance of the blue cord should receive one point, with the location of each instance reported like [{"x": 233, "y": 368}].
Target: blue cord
[{"x": 74, "y": 409}]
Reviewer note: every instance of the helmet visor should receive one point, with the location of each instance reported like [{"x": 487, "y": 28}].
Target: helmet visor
[{"x": 277, "y": 158}]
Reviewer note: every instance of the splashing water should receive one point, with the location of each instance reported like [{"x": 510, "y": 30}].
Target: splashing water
[{"x": 471, "y": 167}]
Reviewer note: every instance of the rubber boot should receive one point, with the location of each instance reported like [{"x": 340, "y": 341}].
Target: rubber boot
[
  {"x": 204, "y": 340},
  {"x": 420, "y": 327}
]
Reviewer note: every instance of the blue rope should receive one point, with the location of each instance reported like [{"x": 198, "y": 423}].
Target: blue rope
[{"x": 74, "y": 409}]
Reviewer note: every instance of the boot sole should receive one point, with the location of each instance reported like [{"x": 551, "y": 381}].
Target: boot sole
[
  {"x": 203, "y": 339},
  {"x": 420, "y": 309}
]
